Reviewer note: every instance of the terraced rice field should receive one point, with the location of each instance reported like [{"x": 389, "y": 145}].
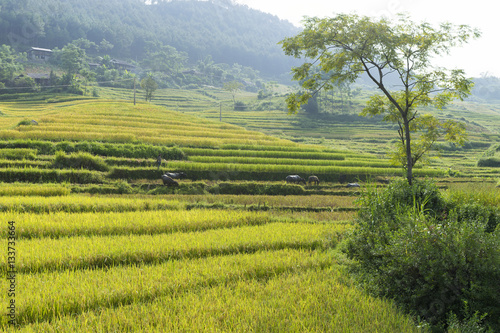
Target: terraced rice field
[
  {"x": 100, "y": 245},
  {"x": 210, "y": 148},
  {"x": 174, "y": 269}
]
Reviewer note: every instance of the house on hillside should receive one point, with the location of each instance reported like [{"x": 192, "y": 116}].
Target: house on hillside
[
  {"x": 118, "y": 64},
  {"x": 40, "y": 79},
  {"x": 37, "y": 53},
  {"x": 192, "y": 72}
]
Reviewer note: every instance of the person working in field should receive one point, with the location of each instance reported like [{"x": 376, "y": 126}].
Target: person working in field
[{"x": 158, "y": 161}]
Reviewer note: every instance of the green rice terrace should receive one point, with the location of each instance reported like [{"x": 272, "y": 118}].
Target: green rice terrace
[{"x": 102, "y": 245}]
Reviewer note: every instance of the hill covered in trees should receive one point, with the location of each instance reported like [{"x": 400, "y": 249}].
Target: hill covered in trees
[{"x": 227, "y": 32}]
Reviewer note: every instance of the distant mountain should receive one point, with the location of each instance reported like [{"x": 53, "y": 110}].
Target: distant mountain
[{"x": 228, "y": 32}]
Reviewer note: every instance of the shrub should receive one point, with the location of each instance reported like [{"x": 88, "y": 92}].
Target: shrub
[
  {"x": 80, "y": 161},
  {"x": 124, "y": 188},
  {"x": 18, "y": 154},
  {"x": 239, "y": 106},
  {"x": 43, "y": 147},
  {"x": 35, "y": 175},
  {"x": 24, "y": 122},
  {"x": 429, "y": 255},
  {"x": 397, "y": 198},
  {"x": 490, "y": 162}
]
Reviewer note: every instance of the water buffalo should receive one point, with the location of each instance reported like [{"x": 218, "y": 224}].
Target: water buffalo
[
  {"x": 295, "y": 179},
  {"x": 169, "y": 181},
  {"x": 353, "y": 185},
  {"x": 176, "y": 175},
  {"x": 313, "y": 179}
]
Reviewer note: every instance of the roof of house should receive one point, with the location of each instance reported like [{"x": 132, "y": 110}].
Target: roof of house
[
  {"x": 40, "y": 49},
  {"x": 38, "y": 75},
  {"x": 119, "y": 62}
]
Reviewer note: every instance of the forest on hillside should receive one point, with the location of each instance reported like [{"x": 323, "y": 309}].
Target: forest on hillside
[{"x": 227, "y": 32}]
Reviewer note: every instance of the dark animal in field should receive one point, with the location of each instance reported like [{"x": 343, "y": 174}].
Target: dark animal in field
[
  {"x": 295, "y": 179},
  {"x": 313, "y": 179},
  {"x": 169, "y": 181},
  {"x": 176, "y": 175},
  {"x": 353, "y": 185}
]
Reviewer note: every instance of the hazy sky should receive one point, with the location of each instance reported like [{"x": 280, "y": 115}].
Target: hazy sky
[{"x": 476, "y": 57}]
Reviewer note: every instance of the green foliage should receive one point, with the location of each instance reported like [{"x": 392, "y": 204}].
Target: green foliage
[
  {"x": 469, "y": 324},
  {"x": 72, "y": 59},
  {"x": 395, "y": 200},
  {"x": 35, "y": 175},
  {"x": 347, "y": 45},
  {"x": 9, "y": 64},
  {"x": 429, "y": 255},
  {"x": 482, "y": 207},
  {"x": 97, "y": 148},
  {"x": 233, "y": 87},
  {"x": 80, "y": 160},
  {"x": 164, "y": 58},
  {"x": 240, "y": 106},
  {"x": 149, "y": 85},
  {"x": 24, "y": 122},
  {"x": 18, "y": 154},
  {"x": 252, "y": 188},
  {"x": 489, "y": 162}
]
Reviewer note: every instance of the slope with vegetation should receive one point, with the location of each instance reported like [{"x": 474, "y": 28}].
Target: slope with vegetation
[
  {"x": 230, "y": 33},
  {"x": 157, "y": 251},
  {"x": 139, "y": 260}
]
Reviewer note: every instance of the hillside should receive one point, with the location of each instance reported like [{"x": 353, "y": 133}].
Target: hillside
[
  {"x": 210, "y": 150},
  {"x": 227, "y": 32},
  {"x": 232, "y": 247}
]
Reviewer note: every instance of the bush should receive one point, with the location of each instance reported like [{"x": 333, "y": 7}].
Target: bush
[
  {"x": 429, "y": 255},
  {"x": 239, "y": 106},
  {"x": 490, "y": 162},
  {"x": 24, "y": 122},
  {"x": 18, "y": 154},
  {"x": 43, "y": 147},
  {"x": 35, "y": 175},
  {"x": 98, "y": 148},
  {"x": 397, "y": 198},
  {"x": 79, "y": 161}
]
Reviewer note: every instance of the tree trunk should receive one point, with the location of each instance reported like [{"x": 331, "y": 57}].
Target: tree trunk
[{"x": 409, "y": 159}]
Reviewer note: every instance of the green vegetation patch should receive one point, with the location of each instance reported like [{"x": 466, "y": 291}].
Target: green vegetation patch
[
  {"x": 79, "y": 160},
  {"x": 433, "y": 256},
  {"x": 18, "y": 154}
]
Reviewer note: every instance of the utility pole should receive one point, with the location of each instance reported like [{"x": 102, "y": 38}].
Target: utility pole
[{"x": 220, "y": 111}]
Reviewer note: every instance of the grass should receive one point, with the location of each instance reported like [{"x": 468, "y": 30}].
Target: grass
[
  {"x": 100, "y": 252},
  {"x": 62, "y": 224},
  {"x": 283, "y": 302}
]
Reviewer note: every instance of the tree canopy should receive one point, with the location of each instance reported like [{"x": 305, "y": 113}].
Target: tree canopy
[
  {"x": 345, "y": 46},
  {"x": 9, "y": 64},
  {"x": 229, "y": 32},
  {"x": 149, "y": 85}
]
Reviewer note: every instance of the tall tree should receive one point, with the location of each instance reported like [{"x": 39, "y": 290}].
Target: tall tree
[
  {"x": 347, "y": 45},
  {"x": 149, "y": 85},
  {"x": 9, "y": 63},
  {"x": 72, "y": 59},
  {"x": 233, "y": 87},
  {"x": 165, "y": 58}
]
